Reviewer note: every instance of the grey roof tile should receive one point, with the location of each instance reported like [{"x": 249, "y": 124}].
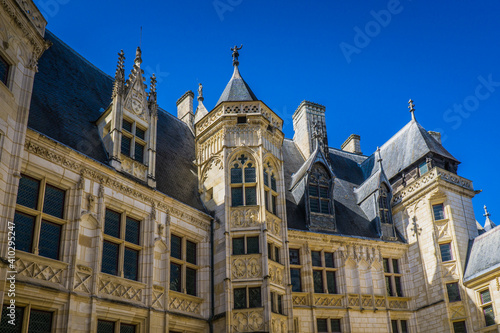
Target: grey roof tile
[
  {"x": 237, "y": 90},
  {"x": 483, "y": 255}
]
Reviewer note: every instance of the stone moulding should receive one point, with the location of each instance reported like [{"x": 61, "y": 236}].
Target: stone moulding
[
  {"x": 248, "y": 320},
  {"x": 326, "y": 300},
  {"x": 244, "y": 217},
  {"x": 276, "y": 273},
  {"x": 300, "y": 299},
  {"x": 30, "y": 266},
  {"x": 246, "y": 266},
  {"x": 106, "y": 180},
  {"x": 273, "y": 224},
  {"x": 184, "y": 303},
  {"x": 121, "y": 288}
]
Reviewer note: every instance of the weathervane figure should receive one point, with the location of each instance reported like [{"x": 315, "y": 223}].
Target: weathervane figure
[{"x": 236, "y": 54}]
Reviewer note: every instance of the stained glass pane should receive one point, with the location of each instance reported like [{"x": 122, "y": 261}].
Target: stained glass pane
[
  {"x": 50, "y": 237},
  {"x": 404, "y": 326},
  {"x": 459, "y": 327},
  {"x": 139, "y": 152},
  {"x": 131, "y": 264},
  {"x": 325, "y": 206},
  {"x": 295, "y": 277},
  {"x": 126, "y": 143},
  {"x": 24, "y": 231},
  {"x": 335, "y": 324},
  {"x": 438, "y": 212},
  {"x": 394, "y": 324},
  {"x": 27, "y": 194},
  {"x": 331, "y": 282},
  {"x": 316, "y": 258},
  {"x": 395, "y": 266},
  {"x": 109, "y": 258},
  {"x": 191, "y": 252},
  {"x": 445, "y": 252},
  {"x": 236, "y": 176},
  {"x": 399, "y": 290},
  {"x": 175, "y": 277},
  {"x": 104, "y": 326},
  {"x": 329, "y": 260},
  {"x": 112, "y": 223},
  {"x": 254, "y": 297},
  {"x": 294, "y": 257},
  {"x": 240, "y": 298},
  {"x": 322, "y": 325},
  {"x": 191, "y": 281},
  {"x": 250, "y": 196},
  {"x": 53, "y": 203},
  {"x": 127, "y": 125},
  {"x": 266, "y": 178},
  {"x": 314, "y": 205},
  {"x": 313, "y": 190},
  {"x": 5, "y": 327},
  {"x": 249, "y": 174},
  {"x": 132, "y": 230},
  {"x": 127, "y": 328},
  {"x": 485, "y": 296},
  {"x": 238, "y": 246},
  {"x": 140, "y": 133},
  {"x": 40, "y": 321},
  {"x": 252, "y": 245},
  {"x": 175, "y": 247},
  {"x": 318, "y": 282},
  {"x": 237, "y": 196},
  {"x": 4, "y": 70},
  {"x": 273, "y": 183},
  {"x": 489, "y": 316}
]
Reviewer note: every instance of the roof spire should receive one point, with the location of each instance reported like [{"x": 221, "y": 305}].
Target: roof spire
[
  {"x": 411, "y": 106},
  {"x": 236, "y": 54},
  {"x": 488, "y": 224},
  {"x": 138, "y": 59}
]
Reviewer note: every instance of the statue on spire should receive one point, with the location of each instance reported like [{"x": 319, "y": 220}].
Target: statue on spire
[
  {"x": 200, "y": 92},
  {"x": 411, "y": 106},
  {"x": 236, "y": 54}
]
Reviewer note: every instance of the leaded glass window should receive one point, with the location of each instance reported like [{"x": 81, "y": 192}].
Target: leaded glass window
[
  {"x": 131, "y": 264},
  {"x": 453, "y": 292},
  {"x": 319, "y": 190},
  {"x": 175, "y": 277},
  {"x": 54, "y": 201},
  {"x": 249, "y": 297},
  {"x": 109, "y": 258},
  {"x": 243, "y": 182},
  {"x": 183, "y": 268},
  {"x": 438, "y": 212},
  {"x": 322, "y": 325},
  {"x": 240, "y": 298},
  {"x": 446, "y": 254},
  {"x": 51, "y": 235},
  {"x": 40, "y": 322},
  {"x": 459, "y": 327},
  {"x": 246, "y": 245},
  {"x": 393, "y": 276},
  {"x": 5, "y": 327},
  {"x": 4, "y": 70},
  {"x": 384, "y": 205},
  {"x": 27, "y": 194},
  {"x": 487, "y": 307},
  {"x": 133, "y": 141}
]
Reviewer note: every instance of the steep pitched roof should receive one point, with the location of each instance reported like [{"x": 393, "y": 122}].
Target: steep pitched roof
[
  {"x": 70, "y": 93},
  {"x": 237, "y": 90},
  {"x": 483, "y": 254},
  {"x": 407, "y": 146}
]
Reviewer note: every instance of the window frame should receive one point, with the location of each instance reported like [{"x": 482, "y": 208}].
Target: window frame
[
  {"x": 442, "y": 209},
  {"x": 245, "y": 244},
  {"x": 459, "y": 322},
  {"x": 329, "y": 325},
  {"x": 452, "y": 258},
  {"x": 185, "y": 265},
  {"x": 296, "y": 267},
  {"x": 134, "y": 139},
  {"x": 399, "y": 325},
  {"x": 324, "y": 270},
  {"x": 27, "y": 311},
  {"x": 242, "y": 162},
  {"x": 277, "y": 304},
  {"x": 391, "y": 277},
  {"x": 315, "y": 181},
  {"x": 39, "y": 216},
  {"x": 123, "y": 244},
  {"x": 384, "y": 205},
  {"x": 484, "y": 305},
  {"x": 117, "y": 325},
  {"x": 247, "y": 297},
  {"x": 457, "y": 286},
  {"x": 270, "y": 192},
  {"x": 274, "y": 250},
  {"x": 6, "y": 80}
]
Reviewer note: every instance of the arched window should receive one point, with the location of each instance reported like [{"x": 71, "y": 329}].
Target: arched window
[
  {"x": 384, "y": 205},
  {"x": 319, "y": 190},
  {"x": 243, "y": 182},
  {"x": 270, "y": 189}
]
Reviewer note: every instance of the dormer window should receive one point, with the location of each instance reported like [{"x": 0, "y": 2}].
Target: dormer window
[
  {"x": 4, "y": 70},
  {"x": 133, "y": 141},
  {"x": 384, "y": 205},
  {"x": 319, "y": 191},
  {"x": 243, "y": 182},
  {"x": 423, "y": 168},
  {"x": 270, "y": 189}
]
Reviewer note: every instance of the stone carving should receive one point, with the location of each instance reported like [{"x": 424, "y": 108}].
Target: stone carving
[
  {"x": 278, "y": 324},
  {"x": 300, "y": 300},
  {"x": 134, "y": 168},
  {"x": 353, "y": 300},
  {"x": 379, "y": 302},
  {"x": 245, "y": 267},
  {"x": 273, "y": 225},
  {"x": 457, "y": 312},
  {"x": 184, "y": 303},
  {"x": 90, "y": 202},
  {"x": 242, "y": 218},
  {"x": 450, "y": 270},
  {"x": 366, "y": 301},
  {"x": 120, "y": 289},
  {"x": 248, "y": 321},
  {"x": 328, "y": 300},
  {"x": 442, "y": 230},
  {"x": 41, "y": 270},
  {"x": 83, "y": 279},
  {"x": 276, "y": 273},
  {"x": 398, "y": 304}
]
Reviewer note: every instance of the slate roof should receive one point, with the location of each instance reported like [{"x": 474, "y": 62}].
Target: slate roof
[
  {"x": 69, "y": 95},
  {"x": 483, "y": 254},
  {"x": 237, "y": 90}
]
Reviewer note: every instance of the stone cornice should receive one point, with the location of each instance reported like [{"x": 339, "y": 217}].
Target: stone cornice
[{"x": 90, "y": 169}]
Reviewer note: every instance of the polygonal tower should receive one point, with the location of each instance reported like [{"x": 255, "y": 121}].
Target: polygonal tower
[{"x": 240, "y": 168}]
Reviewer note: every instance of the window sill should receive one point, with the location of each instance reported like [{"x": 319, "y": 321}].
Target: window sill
[{"x": 173, "y": 293}]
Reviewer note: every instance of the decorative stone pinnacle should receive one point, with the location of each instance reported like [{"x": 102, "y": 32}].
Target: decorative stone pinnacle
[
  {"x": 138, "y": 59},
  {"x": 411, "y": 106},
  {"x": 486, "y": 213},
  {"x": 379, "y": 157},
  {"x": 153, "y": 84},
  {"x": 236, "y": 54},
  {"x": 200, "y": 92}
]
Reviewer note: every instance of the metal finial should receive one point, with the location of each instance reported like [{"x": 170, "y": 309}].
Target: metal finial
[
  {"x": 236, "y": 54},
  {"x": 411, "y": 106},
  {"x": 486, "y": 213}
]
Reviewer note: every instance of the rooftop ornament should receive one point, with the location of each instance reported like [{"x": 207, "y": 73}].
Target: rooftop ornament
[
  {"x": 236, "y": 54},
  {"x": 411, "y": 106}
]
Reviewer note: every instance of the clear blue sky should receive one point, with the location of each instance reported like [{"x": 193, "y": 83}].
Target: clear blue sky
[{"x": 363, "y": 60}]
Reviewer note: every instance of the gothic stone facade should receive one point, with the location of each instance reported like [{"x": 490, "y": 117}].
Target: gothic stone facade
[{"x": 128, "y": 219}]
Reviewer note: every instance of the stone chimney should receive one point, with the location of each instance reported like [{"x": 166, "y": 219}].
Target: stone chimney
[
  {"x": 306, "y": 118},
  {"x": 436, "y": 135},
  {"x": 185, "y": 109},
  {"x": 352, "y": 144}
]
